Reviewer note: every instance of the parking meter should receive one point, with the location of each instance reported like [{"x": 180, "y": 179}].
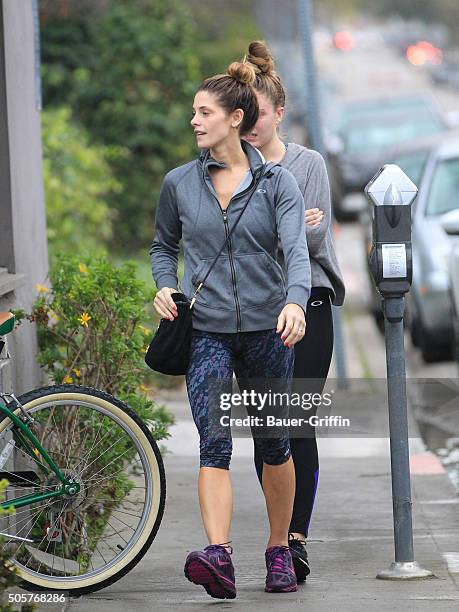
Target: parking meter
[
  {"x": 392, "y": 193},
  {"x": 391, "y": 265}
]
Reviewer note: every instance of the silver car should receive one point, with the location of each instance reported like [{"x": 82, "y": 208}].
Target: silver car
[
  {"x": 450, "y": 223},
  {"x": 429, "y": 301}
]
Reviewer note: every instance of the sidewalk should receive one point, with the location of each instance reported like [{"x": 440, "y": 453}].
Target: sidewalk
[{"x": 350, "y": 541}]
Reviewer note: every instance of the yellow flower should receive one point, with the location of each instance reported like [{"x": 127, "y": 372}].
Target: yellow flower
[
  {"x": 144, "y": 329},
  {"x": 41, "y": 288},
  {"x": 83, "y": 268},
  {"x": 143, "y": 388},
  {"x": 84, "y": 319},
  {"x": 77, "y": 372},
  {"x": 54, "y": 318},
  {"x": 67, "y": 380}
]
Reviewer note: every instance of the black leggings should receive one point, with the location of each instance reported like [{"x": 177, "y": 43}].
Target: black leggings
[{"x": 312, "y": 360}]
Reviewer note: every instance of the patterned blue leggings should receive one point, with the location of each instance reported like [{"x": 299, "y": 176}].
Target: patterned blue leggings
[{"x": 256, "y": 354}]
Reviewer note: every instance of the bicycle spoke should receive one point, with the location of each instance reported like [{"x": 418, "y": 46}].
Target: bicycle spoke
[
  {"x": 30, "y": 530},
  {"x": 128, "y": 513},
  {"x": 98, "y": 481},
  {"x": 42, "y": 540},
  {"x": 89, "y": 454},
  {"x": 71, "y": 437},
  {"x": 115, "y": 532},
  {"x": 98, "y": 457},
  {"x": 42, "y": 487}
]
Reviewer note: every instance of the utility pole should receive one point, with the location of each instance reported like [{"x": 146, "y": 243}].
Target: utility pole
[{"x": 314, "y": 127}]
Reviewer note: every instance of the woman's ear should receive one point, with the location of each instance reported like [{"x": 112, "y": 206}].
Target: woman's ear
[
  {"x": 279, "y": 114},
  {"x": 236, "y": 117}
]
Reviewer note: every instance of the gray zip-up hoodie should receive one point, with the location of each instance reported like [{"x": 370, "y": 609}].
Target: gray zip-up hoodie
[{"x": 246, "y": 289}]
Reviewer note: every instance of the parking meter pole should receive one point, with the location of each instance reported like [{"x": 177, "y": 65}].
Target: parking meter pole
[
  {"x": 404, "y": 566},
  {"x": 392, "y": 193},
  {"x": 398, "y": 426},
  {"x": 314, "y": 126}
]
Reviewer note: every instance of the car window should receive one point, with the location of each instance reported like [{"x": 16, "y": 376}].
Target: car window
[
  {"x": 412, "y": 164},
  {"x": 444, "y": 188},
  {"x": 380, "y": 107},
  {"x": 383, "y": 134}
]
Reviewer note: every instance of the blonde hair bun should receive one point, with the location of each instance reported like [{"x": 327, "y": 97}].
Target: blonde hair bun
[
  {"x": 242, "y": 72},
  {"x": 260, "y": 56}
]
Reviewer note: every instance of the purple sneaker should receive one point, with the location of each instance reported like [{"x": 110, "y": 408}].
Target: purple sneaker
[
  {"x": 213, "y": 569},
  {"x": 280, "y": 577}
]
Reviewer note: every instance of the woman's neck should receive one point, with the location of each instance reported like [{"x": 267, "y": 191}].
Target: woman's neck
[
  {"x": 231, "y": 154},
  {"x": 274, "y": 150}
]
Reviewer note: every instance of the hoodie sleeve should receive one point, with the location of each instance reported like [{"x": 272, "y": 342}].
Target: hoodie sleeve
[
  {"x": 290, "y": 228},
  {"x": 168, "y": 232},
  {"x": 317, "y": 195}
]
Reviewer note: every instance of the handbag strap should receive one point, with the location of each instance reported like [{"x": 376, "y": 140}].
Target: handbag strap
[{"x": 257, "y": 181}]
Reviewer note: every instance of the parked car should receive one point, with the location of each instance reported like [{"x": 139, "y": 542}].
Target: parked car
[
  {"x": 361, "y": 108},
  {"x": 450, "y": 223},
  {"x": 361, "y": 137},
  {"x": 433, "y": 164}
]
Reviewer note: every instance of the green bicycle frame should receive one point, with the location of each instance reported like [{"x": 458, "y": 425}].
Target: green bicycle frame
[{"x": 29, "y": 443}]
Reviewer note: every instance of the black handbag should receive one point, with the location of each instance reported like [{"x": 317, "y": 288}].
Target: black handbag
[{"x": 169, "y": 350}]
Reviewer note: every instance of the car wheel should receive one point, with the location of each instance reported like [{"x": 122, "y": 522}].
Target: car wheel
[
  {"x": 413, "y": 323},
  {"x": 378, "y": 316},
  {"x": 455, "y": 341},
  {"x": 431, "y": 349},
  {"x": 414, "y": 331},
  {"x": 344, "y": 216}
]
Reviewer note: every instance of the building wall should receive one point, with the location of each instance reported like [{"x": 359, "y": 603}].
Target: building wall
[{"x": 23, "y": 246}]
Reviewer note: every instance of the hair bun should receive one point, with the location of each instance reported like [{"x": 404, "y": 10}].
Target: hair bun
[
  {"x": 242, "y": 72},
  {"x": 260, "y": 56}
]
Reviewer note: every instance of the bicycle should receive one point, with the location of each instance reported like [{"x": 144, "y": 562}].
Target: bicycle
[{"x": 90, "y": 490}]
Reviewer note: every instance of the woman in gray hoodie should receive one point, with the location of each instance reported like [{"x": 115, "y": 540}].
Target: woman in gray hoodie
[
  {"x": 313, "y": 353},
  {"x": 247, "y": 316}
]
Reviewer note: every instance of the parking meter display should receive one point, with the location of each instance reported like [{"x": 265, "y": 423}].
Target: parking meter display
[{"x": 394, "y": 261}]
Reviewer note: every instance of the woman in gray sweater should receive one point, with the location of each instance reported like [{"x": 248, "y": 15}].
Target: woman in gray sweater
[
  {"x": 313, "y": 353},
  {"x": 246, "y": 317}
]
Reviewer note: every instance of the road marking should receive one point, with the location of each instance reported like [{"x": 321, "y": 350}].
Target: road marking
[
  {"x": 425, "y": 463},
  {"x": 441, "y": 501}
]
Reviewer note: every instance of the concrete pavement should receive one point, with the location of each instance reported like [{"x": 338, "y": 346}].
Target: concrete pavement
[{"x": 350, "y": 541}]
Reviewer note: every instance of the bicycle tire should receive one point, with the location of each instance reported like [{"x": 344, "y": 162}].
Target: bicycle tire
[{"x": 73, "y": 585}]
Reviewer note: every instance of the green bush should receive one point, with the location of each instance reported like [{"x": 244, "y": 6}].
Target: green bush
[
  {"x": 91, "y": 331},
  {"x": 78, "y": 181},
  {"x": 129, "y": 77}
]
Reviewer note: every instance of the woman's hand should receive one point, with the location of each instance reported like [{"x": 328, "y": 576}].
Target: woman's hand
[
  {"x": 164, "y": 304},
  {"x": 313, "y": 217},
  {"x": 291, "y": 322}
]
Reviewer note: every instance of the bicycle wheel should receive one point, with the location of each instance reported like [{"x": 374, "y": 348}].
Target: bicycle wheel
[{"x": 85, "y": 542}]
